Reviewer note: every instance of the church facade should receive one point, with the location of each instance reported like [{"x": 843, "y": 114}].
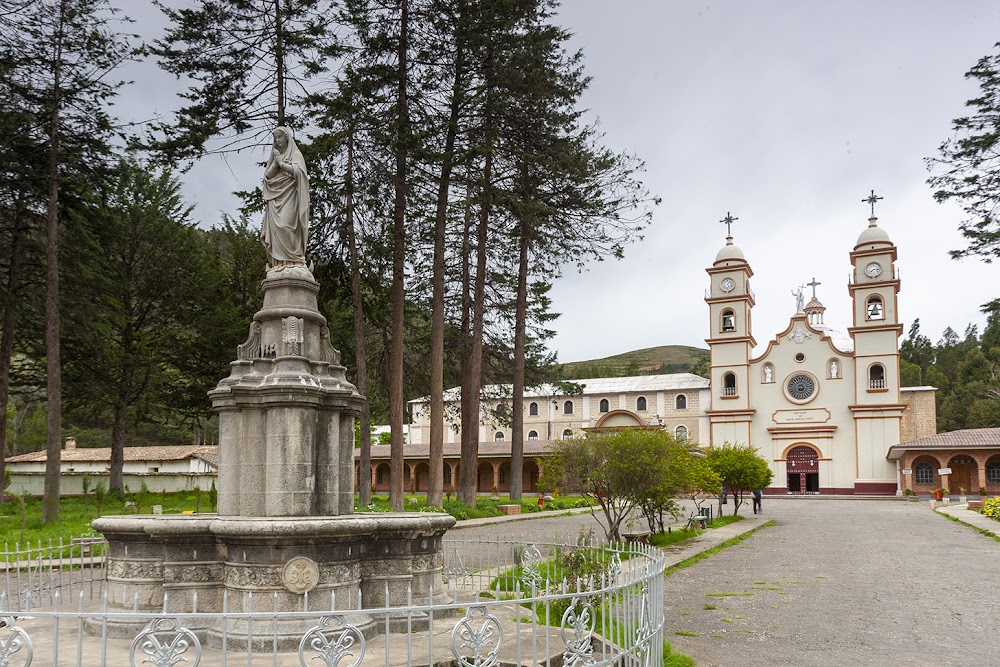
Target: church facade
[{"x": 822, "y": 407}]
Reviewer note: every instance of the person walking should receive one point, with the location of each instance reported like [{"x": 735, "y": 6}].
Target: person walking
[{"x": 757, "y": 496}]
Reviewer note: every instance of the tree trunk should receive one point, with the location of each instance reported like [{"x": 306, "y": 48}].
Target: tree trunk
[
  {"x": 436, "y": 458},
  {"x": 9, "y": 325},
  {"x": 470, "y": 462},
  {"x": 520, "y": 326},
  {"x": 470, "y": 424},
  {"x": 116, "y": 478},
  {"x": 398, "y": 256},
  {"x": 470, "y": 472},
  {"x": 360, "y": 349},
  {"x": 279, "y": 65},
  {"x": 53, "y": 386}
]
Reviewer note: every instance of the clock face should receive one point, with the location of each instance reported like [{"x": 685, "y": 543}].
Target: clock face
[
  {"x": 728, "y": 285},
  {"x": 873, "y": 270}
]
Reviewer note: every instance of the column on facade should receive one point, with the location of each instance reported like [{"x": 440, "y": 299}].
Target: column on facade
[
  {"x": 981, "y": 469},
  {"x": 944, "y": 482},
  {"x": 453, "y": 465},
  {"x": 496, "y": 474}
]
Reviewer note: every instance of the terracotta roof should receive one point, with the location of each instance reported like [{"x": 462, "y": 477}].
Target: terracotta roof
[
  {"x": 162, "y": 453},
  {"x": 969, "y": 438},
  {"x": 209, "y": 454},
  {"x": 454, "y": 449}
]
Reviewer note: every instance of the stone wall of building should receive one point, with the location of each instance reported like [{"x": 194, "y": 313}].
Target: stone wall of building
[{"x": 920, "y": 417}]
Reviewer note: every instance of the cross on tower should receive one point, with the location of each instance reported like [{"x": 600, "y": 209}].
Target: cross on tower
[
  {"x": 871, "y": 199},
  {"x": 728, "y": 221},
  {"x": 813, "y": 284}
]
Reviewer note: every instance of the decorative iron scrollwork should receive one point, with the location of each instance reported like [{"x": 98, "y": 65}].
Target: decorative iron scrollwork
[
  {"x": 645, "y": 632},
  {"x": 165, "y": 641},
  {"x": 579, "y": 649},
  {"x": 16, "y": 641},
  {"x": 332, "y": 644},
  {"x": 479, "y": 641},
  {"x": 531, "y": 567},
  {"x": 614, "y": 569}
]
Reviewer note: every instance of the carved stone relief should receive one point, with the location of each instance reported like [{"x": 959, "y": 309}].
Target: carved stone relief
[{"x": 300, "y": 575}]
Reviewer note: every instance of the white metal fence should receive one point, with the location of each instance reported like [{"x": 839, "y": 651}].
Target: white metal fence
[{"x": 573, "y": 604}]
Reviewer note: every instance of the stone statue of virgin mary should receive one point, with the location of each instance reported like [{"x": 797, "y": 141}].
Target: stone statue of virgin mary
[{"x": 286, "y": 198}]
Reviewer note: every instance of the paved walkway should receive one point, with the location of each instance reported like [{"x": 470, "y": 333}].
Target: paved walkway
[
  {"x": 965, "y": 515},
  {"x": 842, "y": 582}
]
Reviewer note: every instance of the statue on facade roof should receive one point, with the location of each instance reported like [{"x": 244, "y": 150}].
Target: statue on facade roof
[{"x": 800, "y": 299}]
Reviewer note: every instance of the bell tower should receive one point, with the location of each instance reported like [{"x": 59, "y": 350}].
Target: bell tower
[
  {"x": 730, "y": 341},
  {"x": 877, "y": 409}
]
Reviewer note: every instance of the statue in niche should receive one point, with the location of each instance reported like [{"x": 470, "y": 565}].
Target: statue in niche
[
  {"x": 834, "y": 369},
  {"x": 286, "y": 203},
  {"x": 768, "y": 374}
]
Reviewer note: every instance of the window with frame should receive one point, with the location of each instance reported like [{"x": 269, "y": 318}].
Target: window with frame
[
  {"x": 447, "y": 474},
  {"x": 729, "y": 384},
  {"x": 502, "y": 476},
  {"x": 993, "y": 472},
  {"x": 533, "y": 409},
  {"x": 681, "y": 402},
  {"x": 876, "y": 376},
  {"x": 378, "y": 476},
  {"x": 532, "y": 435},
  {"x": 568, "y": 433},
  {"x": 923, "y": 473},
  {"x": 681, "y": 433},
  {"x": 640, "y": 404},
  {"x": 568, "y": 408},
  {"x": 498, "y": 436},
  {"x": 604, "y": 406},
  {"x": 501, "y": 411}
]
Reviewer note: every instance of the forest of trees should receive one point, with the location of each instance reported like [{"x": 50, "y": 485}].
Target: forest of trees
[
  {"x": 453, "y": 179},
  {"x": 965, "y": 369}
]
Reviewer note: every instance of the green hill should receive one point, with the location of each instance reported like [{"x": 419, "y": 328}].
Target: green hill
[{"x": 649, "y": 361}]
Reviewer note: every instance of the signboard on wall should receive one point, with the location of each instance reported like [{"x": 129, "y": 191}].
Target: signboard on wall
[{"x": 944, "y": 471}]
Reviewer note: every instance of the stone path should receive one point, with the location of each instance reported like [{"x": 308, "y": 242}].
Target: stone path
[{"x": 842, "y": 582}]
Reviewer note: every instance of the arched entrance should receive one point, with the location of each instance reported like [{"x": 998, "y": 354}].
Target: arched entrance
[
  {"x": 484, "y": 477},
  {"x": 802, "y": 463},
  {"x": 423, "y": 474},
  {"x": 963, "y": 473}
]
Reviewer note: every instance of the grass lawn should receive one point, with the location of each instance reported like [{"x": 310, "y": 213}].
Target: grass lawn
[
  {"x": 76, "y": 513},
  {"x": 678, "y": 536}
]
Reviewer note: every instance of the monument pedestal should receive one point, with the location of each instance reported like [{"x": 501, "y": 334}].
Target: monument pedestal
[
  {"x": 267, "y": 564},
  {"x": 285, "y": 526}
]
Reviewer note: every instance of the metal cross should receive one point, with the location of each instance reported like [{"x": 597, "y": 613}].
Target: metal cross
[
  {"x": 813, "y": 284},
  {"x": 728, "y": 221},
  {"x": 871, "y": 199}
]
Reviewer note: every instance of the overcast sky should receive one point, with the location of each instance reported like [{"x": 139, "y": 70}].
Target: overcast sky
[{"x": 786, "y": 113}]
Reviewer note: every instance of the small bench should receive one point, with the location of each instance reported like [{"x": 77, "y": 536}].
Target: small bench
[
  {"x": 697, "y": 521},
  {"x": 642, "y": 537}
]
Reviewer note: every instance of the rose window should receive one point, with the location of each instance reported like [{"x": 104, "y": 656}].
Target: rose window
[{"x": 801, "y": 387}]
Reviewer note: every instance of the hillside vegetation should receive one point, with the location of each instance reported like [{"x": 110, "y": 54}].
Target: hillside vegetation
[{"x": 648, "y": 361}]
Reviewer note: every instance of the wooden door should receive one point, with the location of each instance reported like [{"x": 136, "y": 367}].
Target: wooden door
[{"x": 961, "y": 478}]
